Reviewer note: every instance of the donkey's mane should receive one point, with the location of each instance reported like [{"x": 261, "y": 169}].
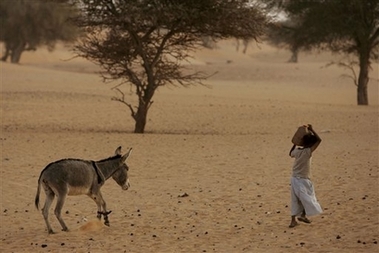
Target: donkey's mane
[{"x": 109, "y": 158}]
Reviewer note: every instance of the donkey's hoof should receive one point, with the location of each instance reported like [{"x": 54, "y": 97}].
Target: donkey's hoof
[
  {"x": 107, "y": 223},
  {"x": 51, "y": 232}
]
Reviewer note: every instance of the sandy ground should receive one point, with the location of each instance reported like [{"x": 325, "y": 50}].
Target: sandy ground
[{"x": 226, "y": 147}]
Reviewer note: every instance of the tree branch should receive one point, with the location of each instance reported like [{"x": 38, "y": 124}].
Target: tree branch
[
  {"x": 350, "y": 66},
  {"x": 123, "y": 101}
]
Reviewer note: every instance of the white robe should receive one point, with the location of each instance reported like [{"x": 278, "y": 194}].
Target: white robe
[{"x": 303, "y": 197}]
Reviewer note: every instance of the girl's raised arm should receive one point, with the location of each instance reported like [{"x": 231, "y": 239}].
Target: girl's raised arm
[{"x": 314, "y": 146}]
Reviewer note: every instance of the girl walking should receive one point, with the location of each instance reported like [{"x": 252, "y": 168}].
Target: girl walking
[{"x": 303, "y": 197}]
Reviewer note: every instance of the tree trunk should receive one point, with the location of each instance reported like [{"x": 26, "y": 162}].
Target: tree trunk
[
  {"x": 17, "y": 51},
  {"x": 7, "y": 52},
  {"x": 294, "y": 55},
  {"x": 140, "y": 118},
  {"x": 364, "y": 65}
]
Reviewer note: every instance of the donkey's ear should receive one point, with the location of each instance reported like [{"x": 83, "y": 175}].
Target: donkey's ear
[
  {"x": 127, "y": 155},
  {"x": 118, "y": 151}
]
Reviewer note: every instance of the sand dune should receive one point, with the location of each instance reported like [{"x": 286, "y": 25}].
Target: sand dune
[{"x": 225, "y": 147}]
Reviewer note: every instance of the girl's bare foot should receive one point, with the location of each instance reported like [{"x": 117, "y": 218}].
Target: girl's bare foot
[{"x": 293, "y": 224}]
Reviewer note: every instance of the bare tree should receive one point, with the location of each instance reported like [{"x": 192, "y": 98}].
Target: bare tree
[{"x": 143, "y": 43}]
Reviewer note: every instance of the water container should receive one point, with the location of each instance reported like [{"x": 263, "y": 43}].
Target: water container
[{"x": 297, "y": 139}]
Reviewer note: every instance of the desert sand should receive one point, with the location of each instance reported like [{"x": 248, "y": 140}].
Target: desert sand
[{"x": 212, "y": 171}]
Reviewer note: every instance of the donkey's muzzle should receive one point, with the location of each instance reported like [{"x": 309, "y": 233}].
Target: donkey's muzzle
[{"x": 126, "y": 185}]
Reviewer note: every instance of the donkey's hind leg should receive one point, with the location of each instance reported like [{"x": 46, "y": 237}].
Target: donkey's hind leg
[
  {"x": 58, "y": 208},
  {"x": 45, "y": 210}
]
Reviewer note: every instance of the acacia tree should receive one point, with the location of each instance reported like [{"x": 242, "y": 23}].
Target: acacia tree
[
  {"x": 285, "y": 34},
  {"x": 26, "y": 25},
  {"x": 143, "y": 43},
  {"x": 349, "y": 27}
]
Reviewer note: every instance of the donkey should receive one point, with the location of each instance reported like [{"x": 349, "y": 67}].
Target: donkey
[{"x": 79, "y": 177}]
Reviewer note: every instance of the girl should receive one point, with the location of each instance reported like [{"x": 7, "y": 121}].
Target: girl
[{"x": 303, "y": 197}]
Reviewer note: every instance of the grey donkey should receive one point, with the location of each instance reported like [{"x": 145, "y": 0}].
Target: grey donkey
[{"x": 79, "y": 177}]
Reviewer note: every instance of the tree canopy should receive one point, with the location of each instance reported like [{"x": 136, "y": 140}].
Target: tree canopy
[
  {"x": 349, "y": 27},
  {"x": 144, "y": 43},
  {"x": 26, "y": 25},
  {"x": 285, "y": 34}
]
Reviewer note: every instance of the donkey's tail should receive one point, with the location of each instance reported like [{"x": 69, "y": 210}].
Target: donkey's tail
[{"x": 36, "y": 201}]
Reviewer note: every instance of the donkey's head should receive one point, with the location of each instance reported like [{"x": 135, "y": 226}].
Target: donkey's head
[{"x": 121, "y": 175}]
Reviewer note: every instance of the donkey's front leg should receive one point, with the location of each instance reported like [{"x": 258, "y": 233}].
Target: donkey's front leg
[
  {"x": 97, "y": 200},
  {"x": 106, "y": 220},
  {"x": 101, "y": 207},
  {"x": 99, "y": 213}
]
